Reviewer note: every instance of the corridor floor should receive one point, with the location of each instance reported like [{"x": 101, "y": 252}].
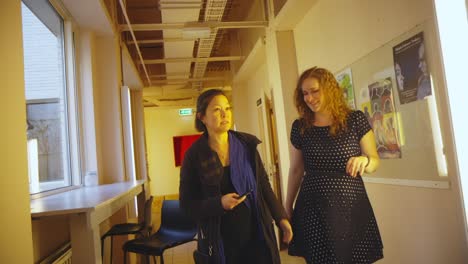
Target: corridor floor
[{"x": 183, "y": 255}]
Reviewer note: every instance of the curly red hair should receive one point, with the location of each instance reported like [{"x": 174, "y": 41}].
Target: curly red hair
[{"x": 334, "y": 100}]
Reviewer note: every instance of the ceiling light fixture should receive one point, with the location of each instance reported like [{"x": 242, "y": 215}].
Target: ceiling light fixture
[{"x": 196, "y": 33}]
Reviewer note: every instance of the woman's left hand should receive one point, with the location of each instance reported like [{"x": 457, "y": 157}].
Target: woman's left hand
[
  {"x": 287, "y": 230},
  {"x": 356, "y": 165}
]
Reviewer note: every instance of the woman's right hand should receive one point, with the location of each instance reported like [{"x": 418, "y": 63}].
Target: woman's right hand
[{"x": 231, "y": 200}]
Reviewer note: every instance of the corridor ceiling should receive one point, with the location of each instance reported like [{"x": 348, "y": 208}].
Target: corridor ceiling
[{"x": 181, "y": 47}]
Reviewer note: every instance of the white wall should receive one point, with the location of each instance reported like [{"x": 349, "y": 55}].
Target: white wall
[
  {"x": 138, "y": 116},
  {"x": 248, "y": 117},
  {"x": 16, "y": 239},
  {"x": 344, "y": 31},
  {"x": 85, "y": 58},
  {"x": 418, "y": 225},
  {"x": 289, "y": 73},
  {"x": 108, "y": 112},
  {"x": 161, "y": 125},
  {"x": 244, "y": 100},
  {"x": 276, "y": 52}
]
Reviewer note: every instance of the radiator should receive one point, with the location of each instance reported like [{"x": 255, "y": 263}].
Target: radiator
[{"x": 63, "y": 255}]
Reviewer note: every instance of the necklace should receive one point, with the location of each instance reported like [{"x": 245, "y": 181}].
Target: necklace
[
  {"x": 223, "y": 156},
  {"x": 222, "y": 149}
]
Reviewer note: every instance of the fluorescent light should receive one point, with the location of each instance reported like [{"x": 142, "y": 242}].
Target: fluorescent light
[{"x": 196, "y": 33}]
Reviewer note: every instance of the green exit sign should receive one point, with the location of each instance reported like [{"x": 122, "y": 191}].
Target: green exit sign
[{"x": 185, "y": 112}]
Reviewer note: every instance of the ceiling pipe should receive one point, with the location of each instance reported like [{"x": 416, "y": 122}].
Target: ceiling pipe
[
  {"x": 170, "y": 81},
  {"x": 124, "y": 11},
  {"x": 196, "y": 60},
  {"x": 215, "y": 25}
]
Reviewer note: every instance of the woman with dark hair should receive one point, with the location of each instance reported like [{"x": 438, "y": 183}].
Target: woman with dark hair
[
  {"x": 224, "y": 186},
  {"x": 331, "y": 147}
]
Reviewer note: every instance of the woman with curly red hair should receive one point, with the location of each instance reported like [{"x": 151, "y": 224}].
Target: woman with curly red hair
[{"x": 331, "y": 147}]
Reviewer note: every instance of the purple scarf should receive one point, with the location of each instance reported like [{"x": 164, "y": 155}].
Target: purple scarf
[
  {"x": 243, "y": 179},
  {"x": 242, "y": 175}
]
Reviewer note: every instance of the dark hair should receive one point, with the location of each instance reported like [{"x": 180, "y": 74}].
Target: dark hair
[{"x": 203, "y": 101}]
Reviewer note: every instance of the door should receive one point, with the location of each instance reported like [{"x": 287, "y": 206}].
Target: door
[{"x": 273, "y": 142}]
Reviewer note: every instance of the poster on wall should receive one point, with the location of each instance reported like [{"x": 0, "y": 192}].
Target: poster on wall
[
  {"x": 380, "y": 110},
  {"x": 365, "y": 105},
  {"x": 345, "y": 80},
  {"x": 411, "y": 70}
]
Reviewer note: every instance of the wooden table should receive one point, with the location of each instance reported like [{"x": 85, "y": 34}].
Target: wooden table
[{"x": 87, "y": 208}]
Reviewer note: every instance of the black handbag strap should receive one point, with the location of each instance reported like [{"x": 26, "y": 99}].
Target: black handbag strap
[{"x": 210, "y": 232}]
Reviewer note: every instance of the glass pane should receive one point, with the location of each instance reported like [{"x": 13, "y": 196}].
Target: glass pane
[{"x": 46, "y": 105}]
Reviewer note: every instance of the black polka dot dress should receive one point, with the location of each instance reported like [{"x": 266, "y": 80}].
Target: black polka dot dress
[{"x": 333, "y": 220}]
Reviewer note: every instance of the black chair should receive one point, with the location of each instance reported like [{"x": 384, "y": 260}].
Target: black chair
[
  {"x": 143, "y": 229},
  {"x": 176, "y": 229}
]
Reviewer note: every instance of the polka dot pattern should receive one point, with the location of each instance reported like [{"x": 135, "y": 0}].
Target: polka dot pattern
[{"x": 333, "y": 219}]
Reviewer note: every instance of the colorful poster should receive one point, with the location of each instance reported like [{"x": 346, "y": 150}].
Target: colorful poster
[
  {"x": 380, "y": 110},
  {"x": 345, "y": 80},
  {"x": 411, "y": 70}
]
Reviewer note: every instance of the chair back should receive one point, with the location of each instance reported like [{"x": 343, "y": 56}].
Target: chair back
[
  {"x": 174, "y": 218},
  {"x": 147, "y": 224}
]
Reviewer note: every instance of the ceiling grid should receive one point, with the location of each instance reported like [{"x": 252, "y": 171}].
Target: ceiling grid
[
  {"x": 184, "y": 44},
  {"x": 214, "y": 11}
]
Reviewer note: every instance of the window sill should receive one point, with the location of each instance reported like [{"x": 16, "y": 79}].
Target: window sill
[
  {"x": 54, "y": 191},
  {"x": 86, "y": 199}
]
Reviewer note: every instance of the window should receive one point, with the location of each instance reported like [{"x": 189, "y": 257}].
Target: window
[
  {"x": 453, "y": 44},
  {"x": 48, "y": 98}
]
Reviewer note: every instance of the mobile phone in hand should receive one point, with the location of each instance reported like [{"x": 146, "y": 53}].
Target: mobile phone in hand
[{"x": 245, "y": 194}]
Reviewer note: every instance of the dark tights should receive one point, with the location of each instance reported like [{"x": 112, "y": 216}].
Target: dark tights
[{"x": 254, "y": 252}]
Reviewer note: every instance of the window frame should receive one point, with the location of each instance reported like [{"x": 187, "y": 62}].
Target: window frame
[{"x": 72, "y": 102}]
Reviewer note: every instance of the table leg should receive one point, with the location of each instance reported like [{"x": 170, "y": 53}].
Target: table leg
[{"x": 85, "y": 240}]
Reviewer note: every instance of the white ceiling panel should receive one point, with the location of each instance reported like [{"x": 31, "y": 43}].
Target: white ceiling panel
[
  {"x": 172, "y": 33},
  {"x": 178, "y": 76},
  {"x": 179, "y": 3},
  {"x": 179, "y": 49},
  {"x": 180, "y": 15},
  {"x": 178, "y": 11},
  {"x": 177, "y": 67}
]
